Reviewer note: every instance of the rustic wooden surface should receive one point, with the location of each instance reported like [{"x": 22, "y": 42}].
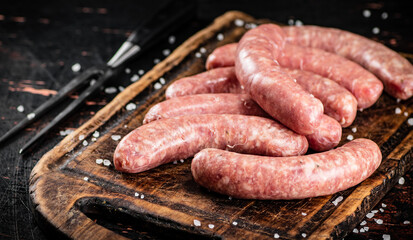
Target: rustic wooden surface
[
  {"x": 41, "y": 40},
  {"x": 75, "y": 195}
]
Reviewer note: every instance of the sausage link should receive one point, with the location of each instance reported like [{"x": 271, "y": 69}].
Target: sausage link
[
  {"x": 171, "y": 139},
  {"x": 218, "y": 80},
  {"x": 223, "y": 56},
  {"x": 394, "y": 70},
  {"x": 275, "y": 91},
  {"x": 259, "y": 177},
  {"x": 327, "y": 135},
  {"x": 222, "y": 103}
]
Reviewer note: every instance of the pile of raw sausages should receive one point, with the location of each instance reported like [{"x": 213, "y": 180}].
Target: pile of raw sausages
[{"x": 266, "y": 100}]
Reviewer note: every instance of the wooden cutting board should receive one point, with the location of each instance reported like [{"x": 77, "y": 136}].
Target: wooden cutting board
[{"x": 78, "y": 198}]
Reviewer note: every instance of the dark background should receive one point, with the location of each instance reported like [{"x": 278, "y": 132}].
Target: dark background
[{"x": 40, "y": 41}]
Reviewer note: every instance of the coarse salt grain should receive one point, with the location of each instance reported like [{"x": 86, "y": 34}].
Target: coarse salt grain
[
  {"x": 410, "y": 121},
  {"x": 354, "y": 129},
  {"x": 304, "y": 214},
  {"x": 406, "y": 114},
  {"x": 401, "y": 180},
  {"x": 198, "y": 54},
  {"x": 66, "y": 132},
  {"x": 162, "y": 80},
  {"x": 397, "y": 111},
  {"x": 375, "y": 30},
  {"x": 230, "y": 198},
  {"x": 276, "y": 235},
  {"x": 398, "y": 100},
  {"x": 386, "y": 237},
  {"x": 406, "y": 222},
  {"x": 304, "y": 235},
  {"x": 202, "y": 50},
  {"x": 92, "y": 82},
  {"x": 156, "y": 60},
  {"x": 110, "y": 90},
  {"x": 96, "y": 134},
  {"x": 350, "y": 137},
  {"x": 136, "y": 194},
  {"x": 383, "y": 205},
  {"x": 127, "y": 70},
  {"x": 337, "y": 200},
  {"x": 384, "y": 15},
  {"x": 298, "y": 23},
  {"x": 234, "y": 223},
  {"x": 362, "y": 230},
  {"x": 116, "y": 137},
  {"x": 381, "y": 210},
  {"x": 366, "y": 229},
  {"x": 220, "y": 37},
  {"x": 366, "y": 13},
  {"x": 134, "y": 78},
  {"x": 182, "y": 161},
  {"x": 81, "y": 137},
  {"x": 363, "y": 223},
  {"x": 355, "y": 230},
  {"x": 211, "y": 226},
  {"x": 20, "y": 108},
  {"x": 76, "y": 67},
  {"x": 141, "y": 72},
  {"x": 157, "y": 86},
  {"x": 99, "y": 161},
  {"x": 197, "y": 223},
  {"x": 239, "y": 22},
  {"x": 85, "y": 143},
  {"x": 30, "y": 116},
  {"x": 166, "y": 52},
  {"x": 175, "y": 162},
  {"x": 106, "y": 162},
  {"x": 378, "y": 221},
  {"x": 94, "y": 139},
  {"x": 121, "y": 88},
  {"x": 142, "y": 196},
  {"x": 375, "y": 211},
  {"x": 171, "y": 39},
  {"x": 130, "y": 106},
  {"x": 370, "y": 215},
  {"x": 86, "y": 178},
  {"x": 290, "y": 22}
]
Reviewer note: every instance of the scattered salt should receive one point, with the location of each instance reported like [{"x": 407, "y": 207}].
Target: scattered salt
[
  {"x": 156, "y": 60},
  {"x": 220, "y": 37},
  {"x": 134, "y": 78},
  {"x": 20, "y": 108},
  {"x": 304, "y": 235},
  {"x": 234, "y": 223},
  {"x": 406, "y": 222},
  {"x": 337, "y": 200},
  {"x": 175, "y": 162},
  {"x": 130, "y": 106},
  {"x": 290, "y": 22},
  {"x": 366, "y": 13},
  {"x": 66, "y": 132},
  {"x": 99, "y": 161},
  {"x": 136, "y": 194},
  {"x": 355, "y": 230},
  {"x": 127, "y": 70},
  {"x": 363, "y": 223},
  {"x": 350, "y": 137},
  {"x": 110, "y": 90},
  {"x": 157, "y": 86},
  {"x": 410, "y": 121},
  {"x": 276, "y": 235},
  {"x": 202, "y": 50},
  {"x": 239, "y": 22},
  {"x": 171, "y": 39},
  {"x": 121, "y": 88},
  {"x": 116, "y": 137},
  {"x": 375, "y": 30},
  {"x": 378, "y": 221},
  {"x": 406, "y": 114},
  {"x": 94, "y": 139},
  {"x": 370, "y": 215},
  {"x": 142, "y": 196},
  {"x": 182, "y": 161},
  {"x": 162, "y": 80},
  {"x": 401, "y": 180},
  {"x": 92, "y": 82},
  {"x": 197, "y": 223},
  {"x": 166, "y": 52},
  {"x": 304, "y": 214},
  {"x": 383, "y": 205},
  {"x": 386, "y": 237},
  {"x": 30, "y": 116},
  {"x": 81, "y": 137},
  {"x": 250, "y": 25},
  {"x": 366, "y": 229},
  {"x": 362, "y": 230},
  {"x": 230, "y": 198},
  {"x": 106, "y": 162},
  {"x": 398, "y": 100},
  {"x": 211, "y": 226},
  {"x": 141, "y": 72},
  {"x": 354, "y": 129},
  {"x": 375, "y": 211},
  {"x": 76, "y": 67},
  {"x": 198, "y": 54},
  {"x": 384, "y": 15},
  {"x": 298, "y": 23},
  {"x": 86, "y": 178},
  {"x": 96, "y": 134},
  {"x": 381, "y": 210},
  {"x": 85, "y": 143}
]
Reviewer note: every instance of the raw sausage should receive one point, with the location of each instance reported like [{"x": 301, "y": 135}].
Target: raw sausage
[
  {"x": 393, "y": 69},
  {"x": 222, "y": 103},
  {"x": 259, "y": 177},
  {"x": 363, "y": 84},
  {"x": 223, "y": 56},
  {"x": 176, "y": 138},
  {"x": 325, "y": 137},
  {"x": 275, "y": 91},
  {"x": 214, "y": 81}
]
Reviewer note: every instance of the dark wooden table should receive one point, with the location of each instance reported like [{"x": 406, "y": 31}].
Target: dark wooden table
[{"x": 42, "y": 44}]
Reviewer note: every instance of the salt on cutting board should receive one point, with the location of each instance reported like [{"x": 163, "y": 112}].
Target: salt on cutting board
[{"x": 72, "y": 189}]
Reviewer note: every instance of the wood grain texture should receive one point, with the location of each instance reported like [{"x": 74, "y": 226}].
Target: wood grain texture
[{"x": 83, "y": 200}]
